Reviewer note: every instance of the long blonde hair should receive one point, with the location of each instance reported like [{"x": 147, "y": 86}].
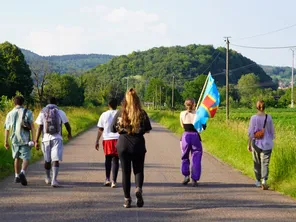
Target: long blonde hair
[{"x": 131, "y": 111}]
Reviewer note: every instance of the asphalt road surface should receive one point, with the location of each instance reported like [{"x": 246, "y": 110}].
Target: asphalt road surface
[{"x": 223, "y": 194}]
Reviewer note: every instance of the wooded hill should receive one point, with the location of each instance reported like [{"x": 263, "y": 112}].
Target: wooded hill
[
  {"x": 185, "y": 63},
  {"x": 76, "y": 63},
  {"x": 282, "y": 75}
]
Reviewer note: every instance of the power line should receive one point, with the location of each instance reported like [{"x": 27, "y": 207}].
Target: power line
[
  {"x": 267, "y": 33},
  {"x": 259, "y": 47}
]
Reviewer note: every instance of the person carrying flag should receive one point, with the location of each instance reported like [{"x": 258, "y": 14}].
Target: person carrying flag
[{"x": 190, "y": 143}]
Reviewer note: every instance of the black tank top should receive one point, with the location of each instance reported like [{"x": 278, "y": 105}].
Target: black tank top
[{"x": 188, "y": 127}]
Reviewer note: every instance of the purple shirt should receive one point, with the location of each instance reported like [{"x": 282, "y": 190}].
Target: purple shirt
[{"x": 257, "y": 123}]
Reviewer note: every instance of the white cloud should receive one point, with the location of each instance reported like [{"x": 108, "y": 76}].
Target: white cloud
[
  {"x": 61, "y": 40},
  {"x": 103, "y": 30},
  {"x": 123, "y": 15}
]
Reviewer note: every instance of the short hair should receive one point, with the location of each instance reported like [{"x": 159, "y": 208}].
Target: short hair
[
  {"x": 113, "y": 103},
  {"x": 19, "y": 100},
  {"x": 52, "y": 100},
  {"x": 260, "y": 105}
]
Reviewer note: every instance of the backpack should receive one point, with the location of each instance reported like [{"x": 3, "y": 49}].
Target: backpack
[
  {"x": 52, "y": 120},
  {"x": 25, "y": 124}
]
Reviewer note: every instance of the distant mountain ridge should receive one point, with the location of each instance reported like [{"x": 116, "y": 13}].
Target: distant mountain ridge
[
  {"x": 74, "y": 63},
  {"x": 281, "y": 74}
]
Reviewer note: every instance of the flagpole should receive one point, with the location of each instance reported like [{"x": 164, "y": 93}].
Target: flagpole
[{"x": 203, "y": 90}]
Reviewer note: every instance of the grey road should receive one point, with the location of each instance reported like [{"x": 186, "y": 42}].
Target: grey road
[{"x": 224, "y": 194}]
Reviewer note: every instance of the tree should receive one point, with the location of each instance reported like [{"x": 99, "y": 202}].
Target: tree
[
  {"x": 65, "y": 88},
  {"x": 15, "y": 73},
  {"x": 40, "y": 70},
  {"x": 248, "y": 88},
  {"x": 193, "y": 89}
]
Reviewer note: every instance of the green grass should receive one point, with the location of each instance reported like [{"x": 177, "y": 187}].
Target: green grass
[
  {"x": 228, "y": 142},
  {"x": 80, "y": 120}
]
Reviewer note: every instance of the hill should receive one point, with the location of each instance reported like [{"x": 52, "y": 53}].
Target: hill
[
  {"x": 184, "y": 63},
  {"x": 76, "y": 63},
  {"x": 280, "y": 74}
]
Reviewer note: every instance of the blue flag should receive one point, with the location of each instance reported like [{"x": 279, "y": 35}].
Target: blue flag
[{"x": 208, "y": 106}]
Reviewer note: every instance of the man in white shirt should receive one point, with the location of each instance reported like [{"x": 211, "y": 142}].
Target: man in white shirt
[
  {"x": 50, "y": 121},
  {"x": 109, "y": 143}
]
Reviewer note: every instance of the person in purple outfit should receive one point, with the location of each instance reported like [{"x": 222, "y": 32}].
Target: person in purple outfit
[
  {"x": 190, "y": 143},
  {"x": 261, "y": 148}
]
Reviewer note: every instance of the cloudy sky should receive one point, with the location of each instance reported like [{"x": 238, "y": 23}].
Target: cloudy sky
[{"x": 117, "y": 27}]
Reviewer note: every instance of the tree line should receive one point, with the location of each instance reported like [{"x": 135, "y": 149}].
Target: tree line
[{"x": 157, "y": 74}]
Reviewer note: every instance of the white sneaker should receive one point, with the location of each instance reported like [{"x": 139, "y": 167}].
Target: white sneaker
[
  {"x": 47, "y": 180},
  {"x": 107, "y": 183},
  {"x": 264, "y": 185},
  {"x": 55, "y": 183},
  {"x": 257, "y": 183},
  {"x": 113, "y": 185}
]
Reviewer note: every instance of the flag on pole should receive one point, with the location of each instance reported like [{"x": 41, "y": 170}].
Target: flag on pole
[{"x": 209, "y": 105}]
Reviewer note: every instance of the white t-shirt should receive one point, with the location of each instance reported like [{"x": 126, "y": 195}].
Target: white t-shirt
[
  {"x": 41, "y": 121},
  {"x": 105, "y": 122}
]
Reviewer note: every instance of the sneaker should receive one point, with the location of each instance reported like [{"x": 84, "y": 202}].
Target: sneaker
[
  {"x": 127, "y": 202},
  {"x": 257, "y": 183},
  {"x": 55, "y": 183},
  {"x": 194, "y": 183},
  {"x": 17, "y": 180},
  {"x": 47, "y": 180},
  {"x": 140, "y": 201},
  {"x": 186, "y": 180},
  {"x": 113, "y": 185},
  {"x": 107, "y": 183},
  {"x": 264, "y": 185},
  {"x": 23, "y": 179}
]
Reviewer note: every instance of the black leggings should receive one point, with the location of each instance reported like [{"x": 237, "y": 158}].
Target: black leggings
[
  {"x": 111, "y": 161},
  {"x": 126, "y": 159}
]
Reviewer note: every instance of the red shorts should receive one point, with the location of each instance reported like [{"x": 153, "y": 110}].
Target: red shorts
[{"x": 110, "y": 147}]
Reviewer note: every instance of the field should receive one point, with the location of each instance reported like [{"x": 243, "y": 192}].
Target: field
[
  {"x": 80, "y": 119},
  {"x": 228, "y": 142}
]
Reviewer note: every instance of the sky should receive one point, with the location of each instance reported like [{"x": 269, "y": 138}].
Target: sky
[{"x": 117, "y": 27}]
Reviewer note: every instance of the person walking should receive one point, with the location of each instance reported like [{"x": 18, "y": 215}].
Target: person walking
[
  {"x": 50, "y": 121},
  {"x": 190, "y": 143},
  {"x": 131, "y": 122},
  {"x": 19, "y": 124},
  {"x": 109, "y": 143},
  {"x": 260, "y": 143}
]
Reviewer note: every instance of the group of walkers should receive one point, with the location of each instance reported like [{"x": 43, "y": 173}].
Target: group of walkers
[
  {"x": 122, "y": 132},
  {"x": 19, "y": 124},
  {"x": 260, "y": 143}
]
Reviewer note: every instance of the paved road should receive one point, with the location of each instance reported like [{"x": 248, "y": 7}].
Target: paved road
[{"x": 224, "y": 194}]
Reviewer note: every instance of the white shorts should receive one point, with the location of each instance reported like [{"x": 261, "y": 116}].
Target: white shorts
[{"x": 53, "y": 150}]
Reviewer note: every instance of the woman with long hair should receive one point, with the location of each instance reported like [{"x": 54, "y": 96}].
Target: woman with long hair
[
  {"x": 131, "y": 122},
  {"x": 190, "y": 143},
  {"x": 261, "y": 135}
]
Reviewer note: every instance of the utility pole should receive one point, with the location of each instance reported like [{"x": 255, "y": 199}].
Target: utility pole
[
  {"x": 156, "y": 96},
  {"x": 227, "y": 75},
  {"x": 160, "y": 96},
  {"x": 292, "y": 80},
  {"x": 173, "y": 89}
]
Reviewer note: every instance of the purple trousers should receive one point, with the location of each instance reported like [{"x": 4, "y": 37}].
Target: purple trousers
[{"x": 190, "y": 143}]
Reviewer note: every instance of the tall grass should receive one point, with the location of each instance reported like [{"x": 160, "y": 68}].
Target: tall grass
[
  {"x": 80, "y": 119},
  {"x": 228, "y": 142}
]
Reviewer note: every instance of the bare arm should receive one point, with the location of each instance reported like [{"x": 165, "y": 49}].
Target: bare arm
[
  {"x": 68, "y": 128},
  {"x": 6, "y": 139},
  {"x": 33, "y": 132},
  {"x": 100, "y": 132},
  {"x": 38, "y": 133}
]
